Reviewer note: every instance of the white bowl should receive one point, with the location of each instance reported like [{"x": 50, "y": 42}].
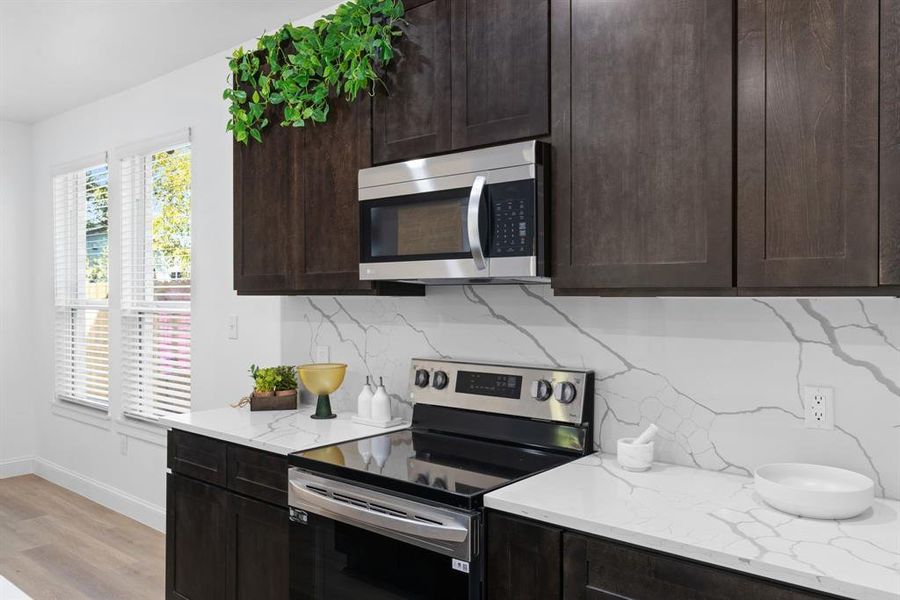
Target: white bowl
[{"x": 814, "y": 491}]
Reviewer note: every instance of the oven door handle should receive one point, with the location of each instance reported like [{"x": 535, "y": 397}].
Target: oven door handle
[
  {"x": 362, "y": 514},
  {"x": 474, "y": 222}
]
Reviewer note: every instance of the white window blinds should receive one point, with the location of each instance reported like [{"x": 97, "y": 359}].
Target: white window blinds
[
  {"x": 156, "y": 282},
  {"x": 81, "y": 285}
]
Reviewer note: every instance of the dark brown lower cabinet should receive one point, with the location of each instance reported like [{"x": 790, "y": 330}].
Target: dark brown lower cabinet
[
  {"x": 527, "y": 560},
  {"x": 523, "y": 559},
  {"x": 259, "y": 550},
  {"x": 196, "y": 539},
  {"x": 227, "y": 534},
  {"x": 597, "y": 568},
  {"x": 221, "y": 545}
]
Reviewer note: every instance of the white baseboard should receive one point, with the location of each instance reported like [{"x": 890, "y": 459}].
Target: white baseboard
[
  {"x": 13, "y": 467},
  {"x": 113, "y": 498}
]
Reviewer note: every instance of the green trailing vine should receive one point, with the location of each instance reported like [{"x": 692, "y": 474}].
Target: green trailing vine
[{"x": 302, "y": 68}]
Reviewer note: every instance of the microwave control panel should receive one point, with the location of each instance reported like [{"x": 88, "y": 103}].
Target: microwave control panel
[{"x": 512, "y": 218}]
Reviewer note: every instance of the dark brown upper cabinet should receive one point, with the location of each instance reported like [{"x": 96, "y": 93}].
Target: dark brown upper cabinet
[
  {"x": 807, "y": 152},
  {"x": 500, "y": 64},
  {"x": 468, "y": 73},
  {"x": 890, "y": 142},
  {"x": 411, "y": 117},
  {"x": 642, "y": 135},
  {"x": 268, "y": 226},
  {"x": 296, "y": 213},
  {"x": 326, "y": 163}
]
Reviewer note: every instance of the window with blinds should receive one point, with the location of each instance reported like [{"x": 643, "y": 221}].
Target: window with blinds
[
  {"x": 81, "y": 285},
  {"x": 156, "y": 282}
]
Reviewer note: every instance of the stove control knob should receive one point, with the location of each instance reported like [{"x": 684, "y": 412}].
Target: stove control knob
[
  {"x": 541, "y": 389},
  {"x": 440, "y": 380},
  {"x": 421, "y": 378},
  {"x": 565, "y": 392}
]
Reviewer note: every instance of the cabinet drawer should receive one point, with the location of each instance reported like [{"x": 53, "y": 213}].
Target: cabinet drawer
[
  {"x": 197, "y": 456},
  {"x": 594, "y": 568},
  {"x": 258, "y": 474}
]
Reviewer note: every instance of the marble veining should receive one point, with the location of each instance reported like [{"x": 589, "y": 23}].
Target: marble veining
[
  {"x": 722, "y": 377},
  {"x": 279, "y": 431},
  {"x": 716, "y": 518}
]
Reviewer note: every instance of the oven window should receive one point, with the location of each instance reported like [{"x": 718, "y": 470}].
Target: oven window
[
  {"x": 430, "y": 226},
  {"x": 331, "y": 560}
]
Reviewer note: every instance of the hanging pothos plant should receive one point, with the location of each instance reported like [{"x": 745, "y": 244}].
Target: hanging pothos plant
[{"x": 301, "y": 67}]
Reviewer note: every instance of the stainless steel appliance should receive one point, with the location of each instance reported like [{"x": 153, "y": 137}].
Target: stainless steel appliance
[
  {"x": 399, "y": 515},
  {"x": 477, "y": 216}
]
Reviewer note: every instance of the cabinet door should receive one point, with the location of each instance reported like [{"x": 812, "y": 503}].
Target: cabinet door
[
  {"x": 807, "y": 143},
  {"x": 196, "y": 539},
  {"x": 523, "y": 559},
  {"x": 642, "y": 136},
  {"x": 259, "y": 550},
  {"x": 268, "y": 225},
  {"x": 598, "y": 568},
  {"x": 412, "y": 115},
  {"x": 326, "y": 169},
  {"x": 890, "y": 142},
  {"x": 501, "y": 70}
]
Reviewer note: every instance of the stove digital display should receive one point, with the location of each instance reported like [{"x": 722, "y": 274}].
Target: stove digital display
[{"x": 489, "y": 384}]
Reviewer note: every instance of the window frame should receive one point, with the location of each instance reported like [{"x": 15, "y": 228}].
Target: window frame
[
  {"x": 74, "y": 300},
  {"x": 128, "y": 311}
]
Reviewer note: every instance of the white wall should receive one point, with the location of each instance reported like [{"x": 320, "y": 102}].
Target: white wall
[
  {"x": 91, "y": 448},
  {"x": 116, "y": 461},
  {"x": 17, "y": 373}
]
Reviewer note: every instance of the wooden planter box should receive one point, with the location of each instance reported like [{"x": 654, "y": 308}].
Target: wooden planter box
[{"x": 285, "y": 400}]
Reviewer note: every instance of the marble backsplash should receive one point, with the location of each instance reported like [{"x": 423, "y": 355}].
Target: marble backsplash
[{"x": 721, "y": 377}]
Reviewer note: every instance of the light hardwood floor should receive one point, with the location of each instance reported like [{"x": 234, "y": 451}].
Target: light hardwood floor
[{"x": 55, "y": 544}]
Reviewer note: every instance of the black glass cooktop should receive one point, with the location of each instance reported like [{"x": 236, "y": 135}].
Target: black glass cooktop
[{"x": 444, "y": 468}]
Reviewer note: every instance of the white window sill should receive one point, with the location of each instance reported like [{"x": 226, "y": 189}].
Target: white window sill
[
  {"x": 89, "y": 415},
  {"x": 147, "y": 431}
]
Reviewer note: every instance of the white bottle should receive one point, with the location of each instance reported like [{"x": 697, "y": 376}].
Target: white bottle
[
  {"x": 381, "y": 404},
  {"x": 364, "y": 401}
]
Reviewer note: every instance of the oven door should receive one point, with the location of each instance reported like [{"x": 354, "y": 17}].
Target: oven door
[{"x": 352, "y": 542}]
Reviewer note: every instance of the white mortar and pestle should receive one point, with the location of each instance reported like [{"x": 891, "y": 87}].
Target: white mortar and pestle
[{"x": 636, "y": 454}]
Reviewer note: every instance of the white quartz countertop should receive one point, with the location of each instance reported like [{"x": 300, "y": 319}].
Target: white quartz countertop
[
  {"x": 715, "y": 518},
  {"x": 279, "y": 431}
]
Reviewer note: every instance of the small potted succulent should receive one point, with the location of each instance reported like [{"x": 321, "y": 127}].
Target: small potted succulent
[{"x": 274, "y": 388}]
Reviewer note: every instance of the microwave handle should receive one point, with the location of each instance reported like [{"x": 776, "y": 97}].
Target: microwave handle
[{"x": 474, "y": 221}]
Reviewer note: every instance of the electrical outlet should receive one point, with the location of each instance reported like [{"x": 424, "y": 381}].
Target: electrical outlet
[
  {"x": 123, "y": 445},
  {"x": 322, "y": 354},
  {"x": 818, "y": 405},
  {"x": 233, "y": 327}
]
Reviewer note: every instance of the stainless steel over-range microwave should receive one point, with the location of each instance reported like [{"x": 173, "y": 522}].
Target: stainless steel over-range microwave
[{"x": 476, "y": 216}]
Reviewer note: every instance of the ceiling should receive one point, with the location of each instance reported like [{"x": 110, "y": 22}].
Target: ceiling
[{"x": 59, "y": 54}]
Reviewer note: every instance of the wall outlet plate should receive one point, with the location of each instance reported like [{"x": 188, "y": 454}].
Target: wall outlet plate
[{"x": 818, "y": 407}]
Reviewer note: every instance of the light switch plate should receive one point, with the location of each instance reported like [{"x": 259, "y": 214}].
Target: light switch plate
[{"x": 233, "y": 327}]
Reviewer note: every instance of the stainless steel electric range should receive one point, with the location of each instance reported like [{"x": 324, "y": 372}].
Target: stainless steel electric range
[{"x": 399, "y": 515}]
